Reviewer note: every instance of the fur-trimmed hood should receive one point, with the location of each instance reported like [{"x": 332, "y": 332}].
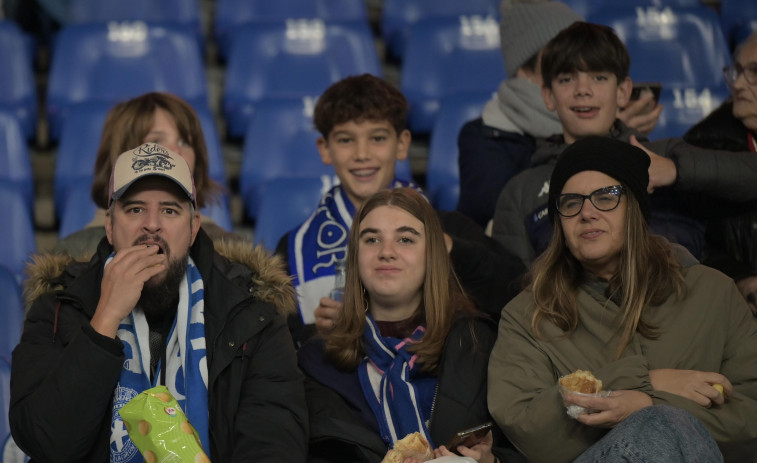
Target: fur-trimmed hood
[{"x": 270, "y": 280}]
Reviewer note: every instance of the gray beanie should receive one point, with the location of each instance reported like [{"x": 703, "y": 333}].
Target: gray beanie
[{"x": 527, "y": 26}]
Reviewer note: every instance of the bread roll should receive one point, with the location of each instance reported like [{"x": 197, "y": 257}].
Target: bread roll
[
  {"x": 411, "y": 446},
  {"x": 582, "y": 381}
]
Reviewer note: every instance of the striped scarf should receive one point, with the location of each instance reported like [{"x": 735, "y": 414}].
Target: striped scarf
[
  {"x": 186, "y": 365},
  {"x": 399, "y": 394}
]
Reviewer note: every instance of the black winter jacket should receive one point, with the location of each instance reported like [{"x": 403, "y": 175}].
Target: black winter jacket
[
  {"x": 64, "y": 373},
  {"x": 731, "y": 243},
  {"x": 343, "y": 427}
]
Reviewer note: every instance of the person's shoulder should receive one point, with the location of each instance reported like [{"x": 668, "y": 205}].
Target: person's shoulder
[{"x": 253, "y": 269}]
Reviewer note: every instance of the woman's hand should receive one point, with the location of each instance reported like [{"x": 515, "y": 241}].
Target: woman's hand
[
  {"x": 692, "y": 384},
  {"x": 326, "y": 314},
  {"x": 607, "y": 412},
  {"x": 481, "y": 452}
]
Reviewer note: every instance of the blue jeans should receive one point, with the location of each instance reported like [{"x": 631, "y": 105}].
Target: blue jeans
[{"x": 655, "y": 434}]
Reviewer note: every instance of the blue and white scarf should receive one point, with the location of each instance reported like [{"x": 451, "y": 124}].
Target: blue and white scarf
[
  {"x": 316, "y": 245},
  {"x": 400, "y": 395},
  {"x": 186, "y": 365}
]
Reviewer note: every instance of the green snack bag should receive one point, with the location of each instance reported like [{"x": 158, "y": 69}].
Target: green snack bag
[{"x": 160, "y": 429}]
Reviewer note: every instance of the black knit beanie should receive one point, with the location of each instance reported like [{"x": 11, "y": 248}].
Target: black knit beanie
[{"x": 620, "y": 160}]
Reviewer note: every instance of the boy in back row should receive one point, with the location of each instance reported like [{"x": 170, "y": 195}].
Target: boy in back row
[
  {"x": 362, "y": 123},
  {"x": 585, "y": 72}
]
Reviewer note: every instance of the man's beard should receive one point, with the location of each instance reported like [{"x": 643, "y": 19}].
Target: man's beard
[{"x": 160, "y": 299}]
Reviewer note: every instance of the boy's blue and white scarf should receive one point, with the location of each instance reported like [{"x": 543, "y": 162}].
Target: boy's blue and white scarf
[
  {"x": 400, "y": 395},
  {"x": 186, "y": 365},
  {"x": 318, "y": 243}
]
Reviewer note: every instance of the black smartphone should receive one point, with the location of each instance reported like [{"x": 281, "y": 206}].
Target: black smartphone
[
  {"x": 469, "y": 437},
  {"x": 654, "y": 87}
]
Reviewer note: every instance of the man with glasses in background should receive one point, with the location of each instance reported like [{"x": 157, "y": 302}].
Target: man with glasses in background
[{"x": 732, "y": 241}]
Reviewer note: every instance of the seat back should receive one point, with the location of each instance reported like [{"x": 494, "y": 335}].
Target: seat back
[
  {"x": 281, "y": 142},
  {"x": 739, "y": 19},
  {"x": 680, "y": 47},
  {"x": 398, "y": 17},
  {"x": 11, "y": 314},
  {"x": 17, "y": 241},
  {"x": 292, "y": 58},
  {"x": 18, "y": 92},
  {"x": 446, "y": 56},
  {"x": 286, "y": 203},
  {"x": 443, "y": 173},
  {"x": 180, "y": 12},
  {"x": 684, "y": 107},
  {"x": 15, "y": 161},
  {"x": 232, "y": 13},
  {"x": 120, "y": 60}
]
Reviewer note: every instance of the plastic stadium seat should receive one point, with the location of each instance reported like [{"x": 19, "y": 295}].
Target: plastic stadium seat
[
  {"x": 80, "y": 139},
  {"x": 679, "y": 47},
  {"x": 116, "y": 61},
  {"x": 5, "y": 400},
  {"x": 281, "y": 142},
  {"x": 232, "y": 13},
  {"x": 185, "y": 13},
  {"x": 11, "y": 313},
  {"x": 684, "y": 107},
  {"x": 18, "y": 93},
  {"x": 15, "y": 161},
  {"x": 398, "y": 17},
  {"x": 447, "y": 56},
  {"x": 17, "y": 234},
  {"x": 739, "y": 19},
  {"x": 292, "y": 58},
  {"x": 443, "y": 173},
  {"x": 286, "y": 203}
]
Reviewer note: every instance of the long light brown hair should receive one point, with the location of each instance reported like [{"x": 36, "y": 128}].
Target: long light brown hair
[
  {"x": 442, "y": 299},
  {"x": 647, "y": 275},
  {"x": 129, "y": 122}
]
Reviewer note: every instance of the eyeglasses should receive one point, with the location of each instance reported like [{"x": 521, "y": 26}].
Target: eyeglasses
[
  {"x": 604, "y": 199},
  {"x": 733, "y": 72}
]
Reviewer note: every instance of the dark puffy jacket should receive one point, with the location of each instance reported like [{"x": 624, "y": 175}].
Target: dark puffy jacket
[
  {"x": 64, "y": 373},
  {"x": 343, "y": 427},
  {"x": 488, "y": 158},
  {"x": 731, "y": 243}
]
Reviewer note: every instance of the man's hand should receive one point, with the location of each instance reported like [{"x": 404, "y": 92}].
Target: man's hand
[
  {"x": 641, "y": 114},
  {"x": 122, "y": 283},
  {"x": 692, "y": 384},
  {"x": 326, "y": 314},
  {"x": 481, "y": 452},
  {"x": 662, "y": 171},
  {"x": 611, "y": 410}
]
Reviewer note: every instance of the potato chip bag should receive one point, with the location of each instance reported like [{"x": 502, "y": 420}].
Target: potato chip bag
[{"x": 160, "y": 429}]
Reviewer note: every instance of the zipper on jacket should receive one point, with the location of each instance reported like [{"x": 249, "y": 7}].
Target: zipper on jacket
[{"x": 433, "y": 406}]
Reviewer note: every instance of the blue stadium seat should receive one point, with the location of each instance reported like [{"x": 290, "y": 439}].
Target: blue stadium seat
[
  {"x": 77, "y": 208},
  {"x": 77, "y": 150},
  {"x": 11, "y": 314},
  {"x": 285, "y": 204},
  {"x": 739, "y": 19},
  {"x": 15, "y": 161},
  {"x": 17, "y": 234},
  {"x": 447, "y": 56},
  {"x": 680, "y": 47},
  {"x": 185, "y": 13},
  {"x": 220, "y": 213},
  {"x": 5, "y": 400},
  {"x": 232, "y": 13},
  {"x": 281, "y": 142},
  {"x": 398, "y": 17},
  {"x": 292, "y": 58},
  {"x": 116, "y": 61},
  {"x": 18, "y": 92},
  {"x": 684, "y": 107},
  {"x": 443, "y": 173}
]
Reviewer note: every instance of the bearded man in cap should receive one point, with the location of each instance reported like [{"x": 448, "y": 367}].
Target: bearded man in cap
[{"x": 157, "y": 304}]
